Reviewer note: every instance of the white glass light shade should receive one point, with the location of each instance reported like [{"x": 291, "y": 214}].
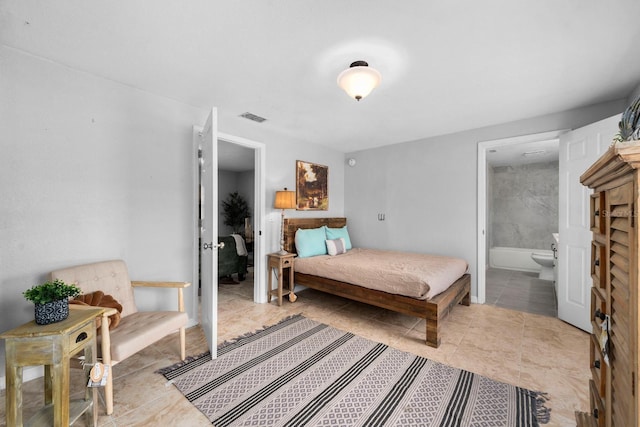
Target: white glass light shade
[{"x": 359, "y": 81}]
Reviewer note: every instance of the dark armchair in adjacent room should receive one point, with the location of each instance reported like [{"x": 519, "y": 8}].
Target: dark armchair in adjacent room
[{"x": 231, "y": 258}]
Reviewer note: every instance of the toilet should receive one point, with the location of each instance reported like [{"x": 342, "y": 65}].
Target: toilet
[{"x": 545, "y": 260}]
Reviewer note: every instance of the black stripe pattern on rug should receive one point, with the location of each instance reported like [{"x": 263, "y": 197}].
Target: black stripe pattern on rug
[{"x": 301, "y": 372}]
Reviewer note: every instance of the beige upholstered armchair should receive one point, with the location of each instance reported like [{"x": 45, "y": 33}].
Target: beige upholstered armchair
[{"x": 136, "y": 329}]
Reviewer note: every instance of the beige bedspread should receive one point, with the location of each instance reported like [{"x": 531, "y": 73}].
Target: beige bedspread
[{"x": 414, "y": 275}]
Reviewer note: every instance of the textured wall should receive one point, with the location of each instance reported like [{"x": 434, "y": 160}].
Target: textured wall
[{"x": 524, "y": 205}]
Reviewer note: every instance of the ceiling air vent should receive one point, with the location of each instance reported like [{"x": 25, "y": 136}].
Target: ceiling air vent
[
  {"x": 534, "y": 153},
  {"x": 253, "y": 117}
]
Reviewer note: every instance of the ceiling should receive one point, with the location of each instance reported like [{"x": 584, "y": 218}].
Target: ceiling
[
  {"x": 525, "y": 153},
  {"x": 446, "y": 66},
  {"x": 234, "y": 157}
]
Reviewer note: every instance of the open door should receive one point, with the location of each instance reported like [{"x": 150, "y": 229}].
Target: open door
[
  {"x": 208, "y": 166},
  {"x": 579, "y": 149}
]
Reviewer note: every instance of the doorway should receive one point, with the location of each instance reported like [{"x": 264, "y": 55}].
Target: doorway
[
  {"x": 513, "y": 147},
  {"x": 578, "y": 149},
  {"x": 236, "y": 194},
  {"x": 258, "y": 211}
]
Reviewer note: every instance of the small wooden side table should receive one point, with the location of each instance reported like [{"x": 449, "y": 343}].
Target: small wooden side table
[
  {"x": 278, "y": 262},
  {"x": 50, "y": 345}
]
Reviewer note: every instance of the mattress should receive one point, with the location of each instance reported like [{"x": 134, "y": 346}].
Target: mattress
[{"x": 419, "y": 276}]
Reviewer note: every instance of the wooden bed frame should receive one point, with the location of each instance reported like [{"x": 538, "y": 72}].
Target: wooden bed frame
[{"x": 433, "y": 310}]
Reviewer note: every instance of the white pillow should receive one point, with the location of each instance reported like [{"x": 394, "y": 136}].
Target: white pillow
[
  {"x": 336, "y": 233},
  {"x": 336, "y": 246}
]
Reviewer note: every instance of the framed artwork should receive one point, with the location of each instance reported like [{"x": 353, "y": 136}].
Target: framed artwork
[{"x": 312, "y": 186}]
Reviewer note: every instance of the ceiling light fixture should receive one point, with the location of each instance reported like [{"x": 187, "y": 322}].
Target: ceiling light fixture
[{"x": 359, "y": 80}]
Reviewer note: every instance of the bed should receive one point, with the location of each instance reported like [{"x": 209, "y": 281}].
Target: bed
[{"x": 433, "y": 309}]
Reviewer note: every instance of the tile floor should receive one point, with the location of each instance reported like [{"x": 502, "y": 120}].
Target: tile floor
[
  {"x": 524, "y": 349},
  {"x": 522, "y": 291}
]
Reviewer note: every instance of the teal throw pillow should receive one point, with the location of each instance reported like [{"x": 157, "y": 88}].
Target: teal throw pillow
[{"x": 311, "y": 242}]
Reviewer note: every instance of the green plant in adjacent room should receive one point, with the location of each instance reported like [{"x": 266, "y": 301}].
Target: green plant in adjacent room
[
  {"x": 51, "y": 291},
  {"x": 235, "y": 210}
]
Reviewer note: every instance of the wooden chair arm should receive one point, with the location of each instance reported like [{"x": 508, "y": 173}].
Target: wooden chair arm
[
  {"x": 108, "y": 311},
  {"x": 150, "y": 284},
  {"x": 179, "y": 285}
]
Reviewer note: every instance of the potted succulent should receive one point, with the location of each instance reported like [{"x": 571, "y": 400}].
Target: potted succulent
[{"x": 51, "y": 300}]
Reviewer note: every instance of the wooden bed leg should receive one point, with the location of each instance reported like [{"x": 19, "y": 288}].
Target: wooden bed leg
[
  {"x": 466, "y": 300},
  {"x": 433, "y": 332}
]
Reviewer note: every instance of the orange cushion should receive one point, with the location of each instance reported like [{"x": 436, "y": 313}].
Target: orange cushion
[{"x": 99, "y": 299}]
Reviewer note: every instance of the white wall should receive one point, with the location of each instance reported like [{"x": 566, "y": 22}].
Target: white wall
[
  {"x": 427, "y": 188},
  {"x": 92, "y": 170},
  {"x": 635, "y": 94}
]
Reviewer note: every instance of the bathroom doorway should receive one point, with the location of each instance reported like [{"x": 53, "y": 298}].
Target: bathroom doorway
[{"x": 517, "y": 213}]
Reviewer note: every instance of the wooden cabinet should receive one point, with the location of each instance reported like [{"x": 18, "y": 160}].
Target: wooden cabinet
[{"x": 613, "y": 388}]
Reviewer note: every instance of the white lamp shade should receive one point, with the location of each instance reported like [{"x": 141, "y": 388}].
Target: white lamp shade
[{"x": 359, "y": 81}]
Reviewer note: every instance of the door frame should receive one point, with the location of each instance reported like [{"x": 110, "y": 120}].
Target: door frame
[{"x": 483, "y": 147}]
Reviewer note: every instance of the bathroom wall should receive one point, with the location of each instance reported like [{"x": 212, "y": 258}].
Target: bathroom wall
[{"x": 524, "y": 205}]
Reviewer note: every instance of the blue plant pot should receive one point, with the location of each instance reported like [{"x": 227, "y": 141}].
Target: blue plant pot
[{"x": 51, "y": 312}]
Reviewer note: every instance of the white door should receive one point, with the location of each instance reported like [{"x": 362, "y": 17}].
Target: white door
[
  {"x": 579, "y": 149},
  {"x": 208, "y": 147}
]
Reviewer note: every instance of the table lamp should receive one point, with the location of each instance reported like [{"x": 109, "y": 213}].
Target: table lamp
[{"x": 284, "y": 200}]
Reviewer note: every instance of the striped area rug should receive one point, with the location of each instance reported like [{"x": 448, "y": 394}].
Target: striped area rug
[{"x": 301, "y": 372}]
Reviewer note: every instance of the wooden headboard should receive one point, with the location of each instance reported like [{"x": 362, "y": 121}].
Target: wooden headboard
[{"x": 292, "y": 224}]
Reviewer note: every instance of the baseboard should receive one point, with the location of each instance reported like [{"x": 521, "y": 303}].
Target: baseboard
[{"x": 28, "y": 373}]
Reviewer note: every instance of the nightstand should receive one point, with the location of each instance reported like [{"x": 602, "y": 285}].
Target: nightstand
[
  {"x": 278, "y": 263},
  {"x": 51, "y": 345}
]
